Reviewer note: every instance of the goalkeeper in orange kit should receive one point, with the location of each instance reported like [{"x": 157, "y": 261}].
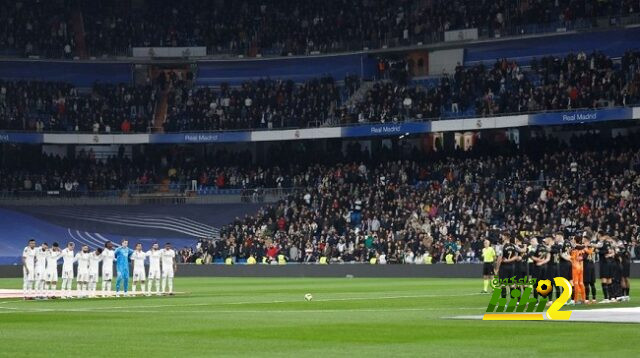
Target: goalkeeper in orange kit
[{"x": 577, "y": 269}]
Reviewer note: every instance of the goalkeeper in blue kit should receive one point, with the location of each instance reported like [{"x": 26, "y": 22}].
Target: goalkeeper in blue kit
[{"x": 122, "y": 256}]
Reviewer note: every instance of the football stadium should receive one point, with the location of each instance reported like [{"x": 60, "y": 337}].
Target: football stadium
[{"x": 358, "y": 178}]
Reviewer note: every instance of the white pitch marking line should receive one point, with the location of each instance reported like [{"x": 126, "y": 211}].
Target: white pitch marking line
[
  {"x": 369, "y": 298},
  {"x": 327, "y": 310},
  {"x": 282, "y": 301},
  {"x": 144, "y": 308},
  {"x": 354, "y": 299},
  {"x": 15, "y": 310}
]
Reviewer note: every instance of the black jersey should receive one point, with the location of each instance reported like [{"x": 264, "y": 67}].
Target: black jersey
[
  {"x": 523, "y": 253},
  {"x": 591, "y": 258},
  {"x": 555, "y": 251},
  {"x": 564, "y": 256},
  {"x": 566, "y": 250},
  {"x": 541, "y": 251},
  {"x": 522, "y": 264},
  {"x": 610, "y": 249},
  {"x": 604, "y": 250},
  {"x": 623, "y": 254},
  {"x": 509, "y": 251}
]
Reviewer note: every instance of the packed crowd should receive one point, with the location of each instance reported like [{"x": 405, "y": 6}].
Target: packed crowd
[
  {"x": 256, "y": 104},
  {"x": 42, "y": 28},
  {"x": 273, "y": 27},
  {"x": 55, "y": 106},
  {"x": 549, "y": 83},
  {"x": 406, "y": 211},
  {"x": 30, "y": 171},
  {"x": 396, "y": 208}
]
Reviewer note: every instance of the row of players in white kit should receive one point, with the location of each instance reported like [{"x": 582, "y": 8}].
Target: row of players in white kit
[{"x": 40, "y": 269}]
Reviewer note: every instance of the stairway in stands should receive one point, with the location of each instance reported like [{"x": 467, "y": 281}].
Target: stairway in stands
[
  {"x": 160, "y": 113},
  {"x": 77, "y": 22},
  {"x": 162, "y": 104},
  {"x": 360, "y": 93}
]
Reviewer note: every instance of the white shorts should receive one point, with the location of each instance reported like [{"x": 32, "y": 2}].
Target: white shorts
[
  {"x": 93, "y": 276},
  {"x": 52, "y": 275},
  {"x": 40, "y": 274},
  {"x": 28, "y": 276},
  {"x": 67, "y": 273},
  {"x": 83, "y": 276},
  {"x": 154, "y": 274},
  {"x": 167, "y": 273},
  {"x": 107, "y": 276},
  {"x": 139, "y": 275}
]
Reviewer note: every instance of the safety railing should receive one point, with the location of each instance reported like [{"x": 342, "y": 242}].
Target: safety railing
[{"x": 336, "y": 122}]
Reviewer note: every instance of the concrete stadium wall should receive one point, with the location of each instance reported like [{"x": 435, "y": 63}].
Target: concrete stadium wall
[{"x": 356, "y": 270}]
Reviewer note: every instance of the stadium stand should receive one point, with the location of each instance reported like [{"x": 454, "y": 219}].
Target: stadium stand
[
  {"x": 260, "y": 104},
  {"x": 406, "y": 210},
  {"x": 342, "y": 177},
  {"x": 400, "y": 206},
  {"x": 43, "y": 28},
  {"x": 34, "y": 171},
  {"x": 105, "y": 28},
  {"x": 550, "y": 83},
  {"x": 341, "y": 202},
  {"x": 57, "y": 106}
]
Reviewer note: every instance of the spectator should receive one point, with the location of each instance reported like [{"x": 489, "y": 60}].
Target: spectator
[
  {"x": 125, "y": 127},
  {"x": 273, "y": 27}
]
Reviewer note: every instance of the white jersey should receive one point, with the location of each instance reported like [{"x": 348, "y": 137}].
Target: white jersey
[
  {"x": 168, "y": 258},
  {"x": 138, "y": 258},
  {"x": 41, "y": 259},
  {"x": 52, "y": 265},
  {"x": 94, "y": 263},
  {"x": 52, "y": 259},
  {"x": 29, "y": 256},
  {"x": 83, "y": 262},
  {"x": 67, "y": 259},
  {"x": 154, "y": 259},
  {"x": 107, "y": 261}
]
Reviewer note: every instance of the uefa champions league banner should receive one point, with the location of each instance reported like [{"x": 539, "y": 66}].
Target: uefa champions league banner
[
  {"x": 211, "y": 137},
  {"x": 386, "y": 129},
  {"x": 581, "y": 116},
  {"x": 29, "y": 138}
]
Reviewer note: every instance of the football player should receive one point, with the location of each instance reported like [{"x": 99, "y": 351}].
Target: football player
[
  {"x": 51, "y": 275},
  {"x": 155, "y": 255},
  {"x": 28, "y": 269},
  {"x": 139, "y": 276},
  {"x": 82, "y": 279},
  {"x": 168, "y": 268}
]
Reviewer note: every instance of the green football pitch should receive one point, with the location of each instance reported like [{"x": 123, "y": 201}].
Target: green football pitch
[{"x": 269, "y": 317}]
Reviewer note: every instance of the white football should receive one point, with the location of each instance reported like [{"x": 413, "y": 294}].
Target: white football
[{"x": 308, "y": 297}]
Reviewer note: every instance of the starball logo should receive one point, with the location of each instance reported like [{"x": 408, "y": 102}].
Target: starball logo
[{"x": 521, "y": 306}]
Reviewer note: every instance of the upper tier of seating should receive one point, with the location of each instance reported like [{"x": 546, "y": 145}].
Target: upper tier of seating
[
  {"x": 69, "y": 28},
  {"x": 551, "y": 83}
]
